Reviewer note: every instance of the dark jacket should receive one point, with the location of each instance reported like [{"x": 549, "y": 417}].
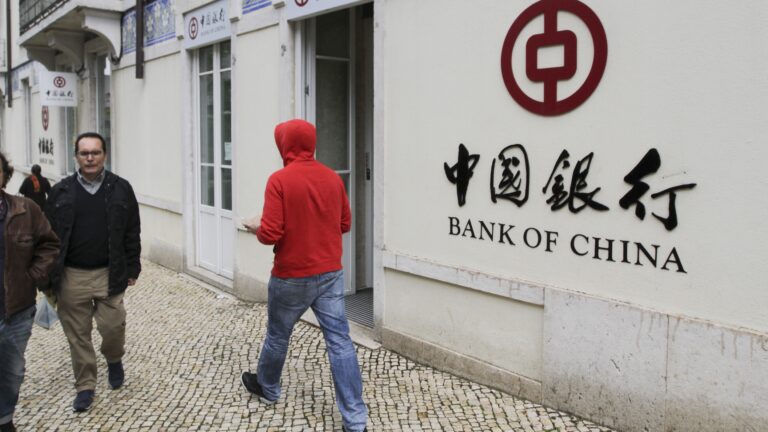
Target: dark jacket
[
  {"x": 38, "y": 194},
  {"x": 123, "y": 228},
  {"x": 31, "y": 248}
]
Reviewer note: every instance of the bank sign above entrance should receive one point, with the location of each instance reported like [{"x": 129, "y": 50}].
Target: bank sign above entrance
[
  {"x": 298, "y": 9},
  {"x": 58, "y": 89},
  {"x": 206, "y": 25},
  {"x": 552, "y": 37}
]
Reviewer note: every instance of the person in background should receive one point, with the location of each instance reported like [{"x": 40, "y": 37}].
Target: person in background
[
  {"x": 28, "y": 250},
  {"x": 306, "y": 210},
  {"x": 96, "y": 215},
  {"x": 36, "y": 187}
]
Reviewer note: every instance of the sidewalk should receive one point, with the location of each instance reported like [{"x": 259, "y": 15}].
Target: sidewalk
[{"x": 187, "y": 347}]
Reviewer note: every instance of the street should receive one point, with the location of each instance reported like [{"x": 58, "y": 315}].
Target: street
[{"x": 186, "y": 348}]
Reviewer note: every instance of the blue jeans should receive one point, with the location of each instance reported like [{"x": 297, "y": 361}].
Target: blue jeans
[
  {"x": 14, "y": 335},
  {"x": 288, "y": 300}
]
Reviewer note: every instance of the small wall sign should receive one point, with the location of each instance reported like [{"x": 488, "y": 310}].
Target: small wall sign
[
  {"x": 58, "y": 89},
  {"x": 206, "y": 25}
]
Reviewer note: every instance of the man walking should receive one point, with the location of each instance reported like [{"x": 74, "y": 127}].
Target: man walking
[
  {"x": 96, "y": 216},
  {"x": 36, "y": 187},
  {"x": 306, "y": 210},
  {"x": 28, "y": 250}
]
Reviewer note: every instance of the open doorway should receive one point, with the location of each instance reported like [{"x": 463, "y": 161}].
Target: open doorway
[{"x": 337, "y": 76}]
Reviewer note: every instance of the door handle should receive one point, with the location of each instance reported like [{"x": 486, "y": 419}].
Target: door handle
[{"x": 367, "y": 166}]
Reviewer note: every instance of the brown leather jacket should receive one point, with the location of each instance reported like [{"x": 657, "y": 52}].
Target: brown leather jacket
[{"x": 31, "y": 249}]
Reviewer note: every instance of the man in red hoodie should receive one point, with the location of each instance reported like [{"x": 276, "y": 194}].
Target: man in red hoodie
[{"x": 306, "y": 210}]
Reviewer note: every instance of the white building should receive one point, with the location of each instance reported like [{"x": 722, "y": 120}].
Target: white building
[{"x": 560, "y": 198}]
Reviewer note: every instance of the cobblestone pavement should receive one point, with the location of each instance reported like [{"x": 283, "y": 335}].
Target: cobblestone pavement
[{"x": 187, "y": 347}]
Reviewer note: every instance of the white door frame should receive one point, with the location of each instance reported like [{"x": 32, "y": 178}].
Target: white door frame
[
  {"x": 216, "y": 211},
  {"x": 307, "y": 76}
]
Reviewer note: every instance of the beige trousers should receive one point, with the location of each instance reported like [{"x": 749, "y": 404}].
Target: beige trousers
[{"x": 82, "y": 298}]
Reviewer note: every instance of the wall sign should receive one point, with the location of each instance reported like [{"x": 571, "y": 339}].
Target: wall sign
[
  {"x": 58, "y": 89},
  {"x": 567, "y": 187},
  {"x": 551, "y": 37},
  {"x": 45, "y": 148},
  {"x": 298, "y": 9},
  {"x": 206, "y": 25}
]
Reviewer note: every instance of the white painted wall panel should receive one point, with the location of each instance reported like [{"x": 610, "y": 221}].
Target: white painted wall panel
[
  {"x": 683, "y": 78},
  {"x": 499, "y": 331},
  {"x": 146, "y": 130},
  {"x": 256, "y": 98}
]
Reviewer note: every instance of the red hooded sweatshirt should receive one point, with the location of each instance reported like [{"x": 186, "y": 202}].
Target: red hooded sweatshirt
[{"x": 306, "y": 208}]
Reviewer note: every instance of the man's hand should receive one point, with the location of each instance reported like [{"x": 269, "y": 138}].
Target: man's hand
[
  {"x": 131, "y": 281},
  {"x": 252, "y": 224}
]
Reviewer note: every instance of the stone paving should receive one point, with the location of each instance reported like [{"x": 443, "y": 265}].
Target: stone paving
[{"x": 187, "y": 347}]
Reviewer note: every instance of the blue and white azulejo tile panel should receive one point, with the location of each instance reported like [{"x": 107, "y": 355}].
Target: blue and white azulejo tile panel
[
  {"x": 128, "y": 31},
  {"x": 253, "y": 5},
  {"x": 159, "y": 25},
  {"x": 160, "y": 22}
]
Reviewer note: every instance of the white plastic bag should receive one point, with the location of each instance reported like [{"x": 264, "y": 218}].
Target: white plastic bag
[{"x": 46, "y": 315}]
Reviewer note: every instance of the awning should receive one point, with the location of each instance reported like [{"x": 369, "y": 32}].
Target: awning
[{"x": 69, "y": 27}]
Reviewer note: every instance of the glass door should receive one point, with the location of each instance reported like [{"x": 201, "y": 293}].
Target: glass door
[
  {"x": 329, "y": 87},
  {"x": 215, "y": 226}
]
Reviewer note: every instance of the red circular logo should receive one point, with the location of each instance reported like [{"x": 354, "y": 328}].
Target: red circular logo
[
  {"x": 193, "y": 28},
  {"x": 45, "y": 118},
  {"x": 550, "y": 77},
  {"x": 59, "y": 81},
  {"x": 301, "y": 3}
]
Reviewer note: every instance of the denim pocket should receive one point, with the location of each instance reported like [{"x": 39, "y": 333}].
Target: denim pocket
[{"x": 288, "y": 292}]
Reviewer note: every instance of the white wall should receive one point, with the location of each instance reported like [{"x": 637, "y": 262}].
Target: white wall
[
  {"x": 256, "y": 98},
  {"x": 502, "y": 332},
  {"x": 15, "y": 136},
  {"x": 147, "y": 151},
  {"x": 690, "y": 85},
  {"x": 146, "y": 128}
]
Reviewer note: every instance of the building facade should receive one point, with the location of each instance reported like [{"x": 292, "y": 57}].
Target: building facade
[{"x": 558, "y": 198}]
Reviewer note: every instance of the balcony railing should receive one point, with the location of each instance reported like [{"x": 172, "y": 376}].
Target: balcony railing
[{"x": 32, "y": 12}]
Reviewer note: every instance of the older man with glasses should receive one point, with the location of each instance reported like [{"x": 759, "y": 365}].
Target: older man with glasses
[{"x": 95, "y": 214}]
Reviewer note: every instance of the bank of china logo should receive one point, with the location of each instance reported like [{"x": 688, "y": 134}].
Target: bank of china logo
[
  {"x": 59, "y": 81},
  {"x": 194, "y": 28},
  {"x": 522, "y": 48}
]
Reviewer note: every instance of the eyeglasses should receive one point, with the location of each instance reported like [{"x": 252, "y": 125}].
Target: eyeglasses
[{"x": 85, "y": 154}]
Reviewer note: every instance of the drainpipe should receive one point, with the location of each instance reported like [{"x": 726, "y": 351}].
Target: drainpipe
[
  {"x": 139, "y": 39},
  {"x": 8, "y": 60}
]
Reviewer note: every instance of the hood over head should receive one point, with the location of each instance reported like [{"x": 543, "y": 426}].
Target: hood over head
[{"x": 295, "y": 140}]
